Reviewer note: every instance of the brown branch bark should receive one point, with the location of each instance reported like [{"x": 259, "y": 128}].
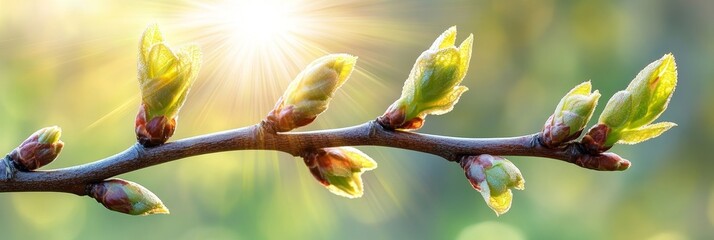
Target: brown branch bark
[{"x": 259, "y": 137}]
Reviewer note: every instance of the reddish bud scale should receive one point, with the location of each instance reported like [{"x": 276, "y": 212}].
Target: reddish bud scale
[
  {"x": 556, "y": 134},
  {"x": 32, "y": 154},
  {"x": 312, "y": 163},
  {"x": 157, "y": 131},
  {"x": 126, "y": 197},
  {"x": 339, "y": 169},
  {"x": 603, "y": 162},
  {"x": 475, "y": 177},
  {"x": 283, "y": 118},
  {"x": 113, "y": 198},
  {"x": 594, "y": 140},
  {"x": 394, "y": 118}
]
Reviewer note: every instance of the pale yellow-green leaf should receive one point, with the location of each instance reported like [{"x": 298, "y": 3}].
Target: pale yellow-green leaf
[
  {"x": 447, "y": 103},
  {"x": 160, "y": 89},
  {"x": 501, "y": 203},
  {"x": 170, "y": 76},
  {"x": 189, "y": 65},
  {"x": 498, "y": 203},
  {"x": 165, "y": 75},
  {"x": 190, "y": 58},
  {"x": 446, "y": 39},
  {"x": 344, "y": 170},
  {"x": 344, "y": 65},
  {"x": 515, "y": 177},
  {"x": 361, "y": 161},
  {"x": 581, "y": 89},
  {"x": 152, "y": 35},
  {"x": 435, "y": 81},
  {"x": 465, "y": 55},
  {"x": 642, "y": 134},
  {"x": 162, "y": 63},
  {"x": 652, "y": 89},
  {"x": 349, "y": 187}
]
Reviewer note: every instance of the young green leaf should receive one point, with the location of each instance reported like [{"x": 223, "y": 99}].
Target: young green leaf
[
  {"x": 433, "y": 83},
  {"x": 340, "y": 169},
  {"x": 634, "y": 136},
  {"x": 629, "y": 113},
  {"x": 165, "y": 78}
]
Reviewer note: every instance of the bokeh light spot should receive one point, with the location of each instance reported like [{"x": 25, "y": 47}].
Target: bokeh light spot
[
  {"x": 491, "y": 230},
  {"x": 669, "y": 235},
  {"x": 63, "y": 215}
]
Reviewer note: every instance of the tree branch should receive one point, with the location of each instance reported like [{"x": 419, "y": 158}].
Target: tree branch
[{"x": 262, "y": 137}]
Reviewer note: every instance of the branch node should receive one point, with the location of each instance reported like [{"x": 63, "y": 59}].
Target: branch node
[
  {"x": 88, "y": 188},
  {"x": 384, "y": 123},
  {"x": 9, "y": 167},
  {"x": 267, "y": 127},
  {"x": 374, "y": 128},
  {"x": 537, "y": 140},
  {"x": 139, "y": 150}
]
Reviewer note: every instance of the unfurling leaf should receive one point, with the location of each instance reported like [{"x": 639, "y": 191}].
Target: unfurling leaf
[
  {"x": 340, "y": 169},
  {"x": 634, "y": 136},
  {"x": 127, "y": 197},
  {"x": 629, "y": 113},
  {"x": 493, "y": 177},
  {"x": 433, "y": 84},
  {"x": 309, "y": 94},
  {"x": 40, "y": 149},
  {"x": 165, "y": 78},
  {"x": 571, "y": 115}
]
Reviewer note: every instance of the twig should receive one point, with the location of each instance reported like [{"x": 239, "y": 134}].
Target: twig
[{"x": 260, "y": 137}]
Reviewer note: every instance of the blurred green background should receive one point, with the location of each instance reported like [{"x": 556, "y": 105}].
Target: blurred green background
[{"x": 72, "y": 63}]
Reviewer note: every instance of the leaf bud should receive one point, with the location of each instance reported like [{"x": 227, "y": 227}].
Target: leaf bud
[
  {"x": 40, "y": 149},
  {"x": 309, "y": 94},
  {"x": 570, "y": 116},
  {"x": 433, "y": 83},
  {"x": 340, "y": 169},
  {"x": 126, "y": 197},
  {"x": 628, "y": 115},
  {"x": 493, "y": 177},
  {"x": 165, "y": 78}
]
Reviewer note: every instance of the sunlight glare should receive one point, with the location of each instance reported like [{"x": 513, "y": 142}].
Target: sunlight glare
[
  {"x": 257, "y": 22},
  {"x": 253, "y": 49}
]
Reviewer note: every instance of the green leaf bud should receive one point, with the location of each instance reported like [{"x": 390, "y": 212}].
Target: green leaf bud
[
  {"x": 340, "y": 169},
  {"x": 165, "y": 78},
  {"x": 127, "y": 197},
  {"x": 309, "y": 94},
  {"x": 570, "y": 116},
  {"x": 629, "y": 113},
  {"x": 493, "y": 177},
  {"x": 433, "y": 83}
]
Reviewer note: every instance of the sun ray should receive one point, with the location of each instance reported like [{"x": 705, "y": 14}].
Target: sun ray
[{"x": 123, "y": 107}]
